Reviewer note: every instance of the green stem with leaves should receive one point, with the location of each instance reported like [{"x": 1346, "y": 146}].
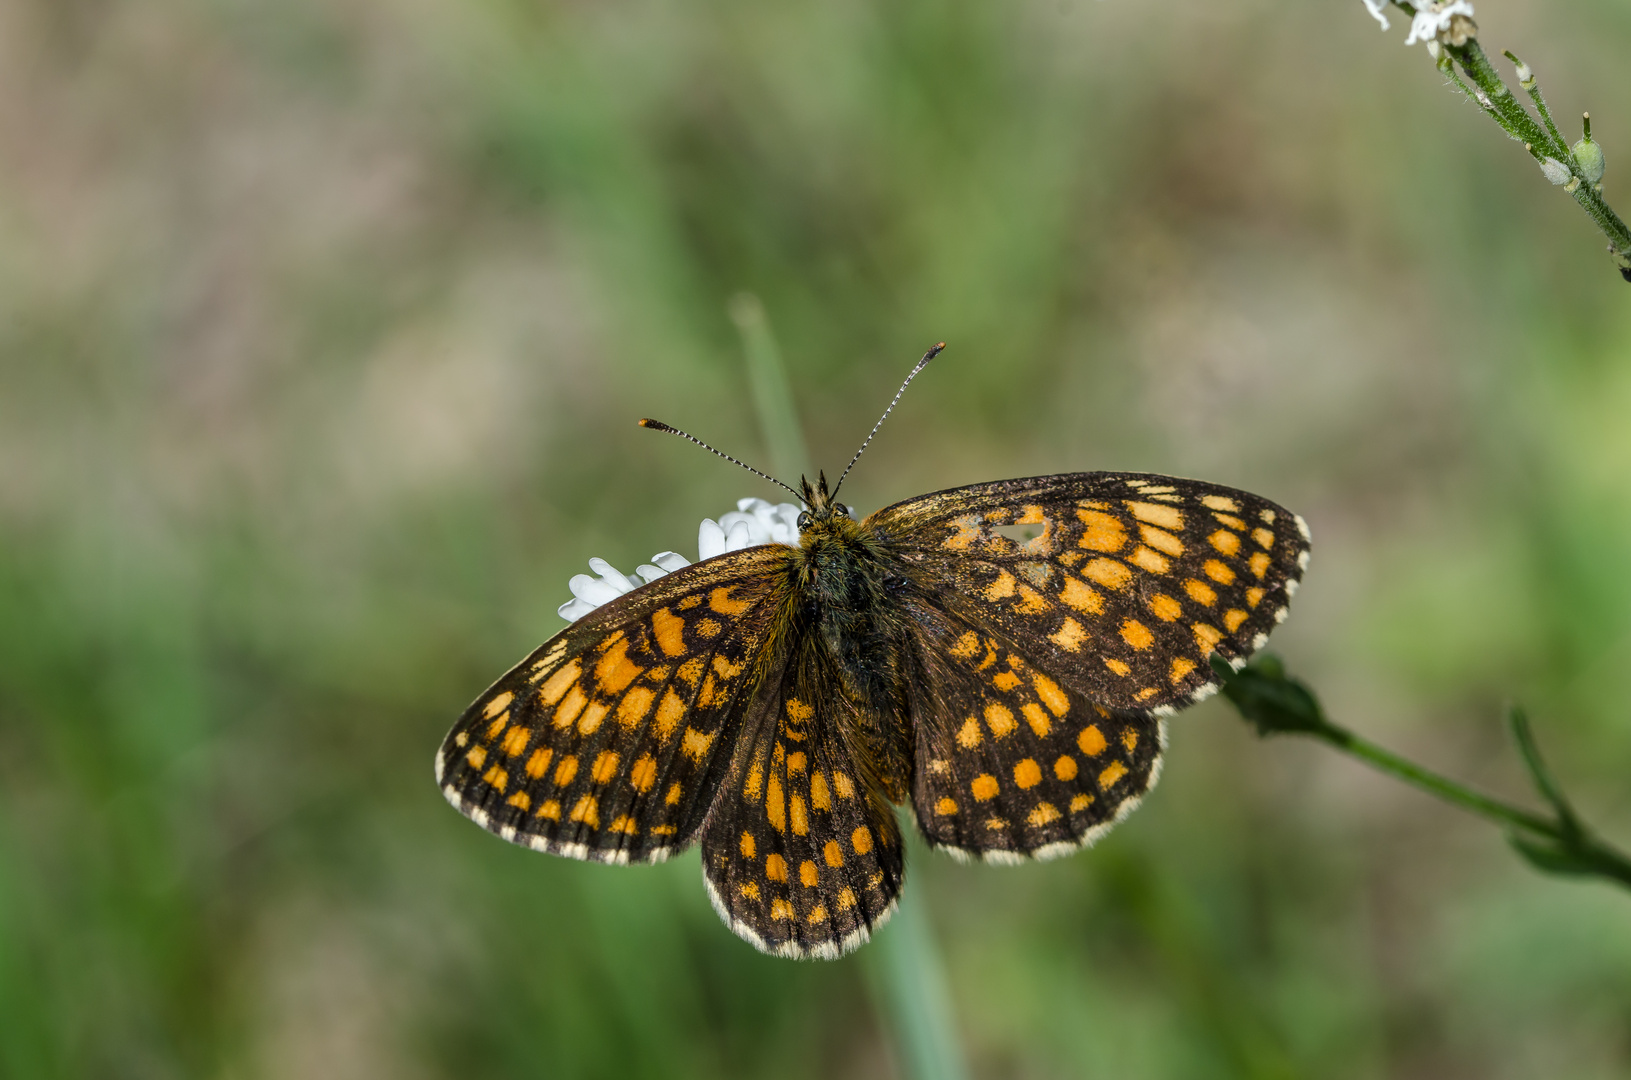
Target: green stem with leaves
[
  {"x": 1578, "y": 172},
  {"x": 1559, "y": 843}
]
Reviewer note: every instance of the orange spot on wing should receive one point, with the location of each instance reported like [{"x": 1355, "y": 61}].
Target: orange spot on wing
[
  {"x": 1000, "y": 719},
  {"x": 1037, "y": 719},
  {"x": 775, "y": 808},
  {"x": 669, "y": 714},
  {"x": 1145, "y": 559},
  {"x": 614, "y": 671},
  {"x": 807, "y": 874},
  {"x": 550, "y": 810},
  {"x": 1076, "y": 593},
  {"x": 1225, "y": 541},
  {"x": 1091, "y": 740},
  {"x": 1168, "y": 517},
  {"x": 775, "y": 867},
  {"x": 1219, "y": 573},
  {"x": 499, "y": 703},
  {"x": 1070, "y": 636},
  {"x": 634, "y": 706},
  {"x": 673, "y": 796},
  {"x": 833, "y": 854},
  {"x": 1254, "y": 596},
  {"x": 1259, "y": 564},
  {"x": 861, "y": 840},
  {"x": 1136, "y": 634},
  {"x": 497, "y": 778},
  {"x": 1065, "y": 767},
  {"x": 567, "y": 712},
  {"x": 1181, "y": 667},
  {"x": 695, "y": 744},
  {"x": 1129, "y": 739},
  {"x": 1053, "y": 697},
  {"x": 643, "y": 773},
  {"x": 521, "y": 801},
  {"x": 819, "y": 797},
  {"x": 592, "y": 716},
  {"x": 1165, "y": 607},
  {"x": 1101, "y": 532},
  {"x": 1042, "y": 815},
  {"x": 605, "y": 767},
  {"x": 1206, "y": 637},
  {"x": 781, "y": 909},
  {"x": 476, "y": 757},
  {"x": 720, "y": 601},
  {"x": 669, "y": 630},
  {"x": 1107, "y": 572},
  {"x": 1219, "y": 502},
  {"x": 1200, "y": 592},
  {"x": 1117, "y": 666},
  {"x": 1161, "y": 540},
  {"x": 556, "y": 684},
  {"x": 566, "y": 770},
  {"x": 1112, "y": 772},
  {"x": 797, "y": 816},
  {"x": 515, "y": 743},
  {"x": 946, "y": 807},
  {"x": 587, "y": 811},
  {"x": 539, "y": 761},
  {"x": 969, "y": 735},
  {"x": 983, "y": 786},
  {"x": 843, "y": 785},
  {"x": 1028, "y": 774},
  {"x": 1232, "y": 619},
  {"x": 1001, "y": 588}
]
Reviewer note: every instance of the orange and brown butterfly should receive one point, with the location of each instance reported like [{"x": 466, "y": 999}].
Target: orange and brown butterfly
[{"x": 777, "y": 701}]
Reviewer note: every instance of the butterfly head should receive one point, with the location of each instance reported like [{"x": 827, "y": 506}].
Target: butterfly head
[{"x": 823, "y": 510}]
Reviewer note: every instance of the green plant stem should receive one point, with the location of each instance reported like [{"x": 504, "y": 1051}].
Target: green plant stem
[
  {"x": 1606, "y": 861},
  {"x": 1562, "y": 844},
  {"x": 772, "y": 396},
  {"x": 903, "y": 964},
  {"x": 1541, "y": 142}
]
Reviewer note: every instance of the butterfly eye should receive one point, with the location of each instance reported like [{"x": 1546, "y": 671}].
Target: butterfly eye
[
  {"x": 840, "y": 509},
  {"x": 804, "y": 521}
]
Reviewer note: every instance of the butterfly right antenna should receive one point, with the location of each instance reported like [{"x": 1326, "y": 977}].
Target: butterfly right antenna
[{"x": 921, "y": 364}]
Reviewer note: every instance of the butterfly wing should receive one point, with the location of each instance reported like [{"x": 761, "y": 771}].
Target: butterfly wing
[
  {"x": 801, "y": 855},
  {"x": 1009, "y": 759},
  {"x": 1131, "y": 582},
  {"x": 609, "y": 741}
]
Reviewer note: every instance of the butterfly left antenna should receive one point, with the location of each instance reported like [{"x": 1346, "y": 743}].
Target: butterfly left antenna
[
  {"x": 921, "y": 364},
  {"x": 658, "y": 425}
]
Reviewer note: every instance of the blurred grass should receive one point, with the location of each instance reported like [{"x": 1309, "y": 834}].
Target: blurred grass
[{"x": 323, "y": 330}]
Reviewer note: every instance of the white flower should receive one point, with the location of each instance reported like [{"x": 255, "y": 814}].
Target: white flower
[
  {"x": 1439, "y": 22},
  {"x": 1378, "y": 9},
  {"x": 752, "y": 523}
]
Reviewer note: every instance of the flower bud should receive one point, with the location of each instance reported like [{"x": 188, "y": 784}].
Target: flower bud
[
  {"x": 1589, "y": 156},
  {"x": 1555, "y": 170}
]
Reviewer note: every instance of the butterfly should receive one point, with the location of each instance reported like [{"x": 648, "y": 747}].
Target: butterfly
[{"x": 1000, "y": 658}]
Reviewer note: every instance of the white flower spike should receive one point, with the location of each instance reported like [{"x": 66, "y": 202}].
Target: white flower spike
[
  {"x": 1378, "y": 9},
  {"x": 752, "y": 523}
]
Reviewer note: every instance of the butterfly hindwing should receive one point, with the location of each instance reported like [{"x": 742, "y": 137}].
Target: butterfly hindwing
[
  {"x": 802, "y": 855},
  {"x": 1129, "y": 583},
  {"x": 1010, "y": 760},
  {"x": 610, "y": 740}
]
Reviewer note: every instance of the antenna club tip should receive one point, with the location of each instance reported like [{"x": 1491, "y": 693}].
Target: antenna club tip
[{"x": 656, "y": 425}]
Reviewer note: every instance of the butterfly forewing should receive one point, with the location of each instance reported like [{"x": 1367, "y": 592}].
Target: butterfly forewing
[
  {"x": 802, "y": 855},
  {"x": 1129, "y": 583},
  {"x": 1010, "y": 760},
  {"x": 609, "y": 741}
]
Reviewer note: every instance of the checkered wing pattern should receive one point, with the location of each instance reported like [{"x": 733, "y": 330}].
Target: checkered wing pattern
[
  {"x": 610, "y": 741},
  {"x": 1010, "y": 760},
  {"x": 1125, "y": 586},
  {"x": 802, "y": 855}
]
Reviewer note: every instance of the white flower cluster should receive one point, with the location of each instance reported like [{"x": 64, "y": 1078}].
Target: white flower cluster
[
  {"x": 752, "y": 523},
  {"x": 1434, "y": 21}
]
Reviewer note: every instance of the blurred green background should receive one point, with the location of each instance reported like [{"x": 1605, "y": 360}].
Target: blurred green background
[{"x": 323, "y": 331}]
